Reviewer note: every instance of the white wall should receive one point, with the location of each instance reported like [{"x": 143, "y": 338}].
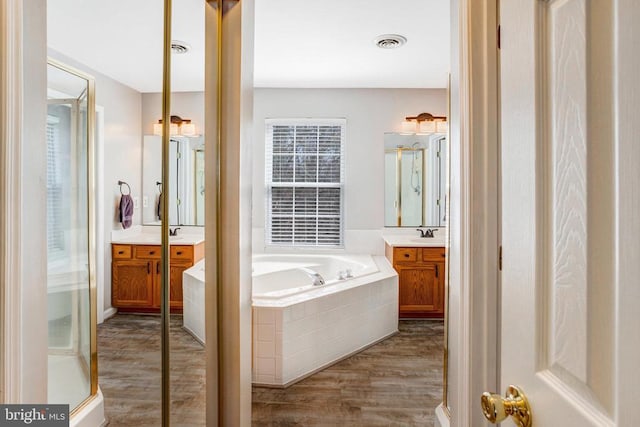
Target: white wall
[
  {"x": 369, "y": 113},
  {"x": 122, "y": 156},
  {"x": 188, "y": 105}
]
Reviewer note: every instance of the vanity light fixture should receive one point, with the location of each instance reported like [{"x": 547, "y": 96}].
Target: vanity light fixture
[
  {"x": 179, "y": 126},
  {"x": 424, "y": 123}
]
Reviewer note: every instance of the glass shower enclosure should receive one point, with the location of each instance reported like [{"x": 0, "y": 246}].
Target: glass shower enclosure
[{"x": 71, "y": 299}]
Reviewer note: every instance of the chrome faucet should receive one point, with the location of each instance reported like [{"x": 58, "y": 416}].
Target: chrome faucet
[
  {"x": 345, "y": 274},
  {"x": 316, "y": 278},
  {"x": 426, "y": 233},
  {"x": 173, "y": 232}
]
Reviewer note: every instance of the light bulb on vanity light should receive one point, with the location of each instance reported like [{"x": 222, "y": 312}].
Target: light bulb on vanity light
[
  {"x": 427, "y": 126},
  {"x": 188, "y": 129},
  {"x": 408, "y": 127},
  {"x": 178, "y": 126}
]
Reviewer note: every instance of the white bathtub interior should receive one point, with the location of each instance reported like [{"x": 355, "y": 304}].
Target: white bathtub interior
[{"x": 277, "y": 276}]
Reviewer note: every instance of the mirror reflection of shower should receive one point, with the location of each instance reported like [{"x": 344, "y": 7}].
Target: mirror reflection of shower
[
  {"x": 415, "y": 181},
  {"x": 416, "y": 169},
  {"x": 185, "y": 187},
  {"x": 199, "y": 181}
]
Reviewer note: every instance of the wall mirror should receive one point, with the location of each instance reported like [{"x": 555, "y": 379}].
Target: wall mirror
[
  {"x": 186, "y": 183},
  {"x": 415, "y": 168}
]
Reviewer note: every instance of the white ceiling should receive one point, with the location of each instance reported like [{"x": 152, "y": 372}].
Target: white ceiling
[
  {"x": 299, "y": 43},
  {"x": 329, "y": 43},
  {"x": 123, "y": 39}
]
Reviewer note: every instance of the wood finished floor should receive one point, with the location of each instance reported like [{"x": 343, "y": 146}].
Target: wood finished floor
[
  {"x": 129, "y": 372},
  {"x": 397, "y": 382}
]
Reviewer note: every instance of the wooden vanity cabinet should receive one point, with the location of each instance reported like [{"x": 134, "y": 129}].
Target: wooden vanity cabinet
[
  {"x": 132, "y": 283},
  {"x": 136, "y": 275},
  {"x": 420, "y": 280}
]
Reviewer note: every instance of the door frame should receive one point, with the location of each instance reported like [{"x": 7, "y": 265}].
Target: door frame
[
  {"x": 473, "y": 310},
  {"x": 10, "y": 198}
]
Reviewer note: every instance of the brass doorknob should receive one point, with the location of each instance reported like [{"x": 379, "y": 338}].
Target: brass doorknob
[{"x": 497, "y": 408}]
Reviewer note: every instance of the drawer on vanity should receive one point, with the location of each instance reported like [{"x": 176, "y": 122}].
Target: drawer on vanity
[
  {"x": 121, "y": 251},
  {"x": 405, "y": 254},
  {"x": 433, "y": 254},
  {"x": 182, "y": 252},
  {"x": 147, "y": 252}
]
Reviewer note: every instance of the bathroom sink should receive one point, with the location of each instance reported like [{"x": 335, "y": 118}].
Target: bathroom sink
[{"x": 424, "y": 240}]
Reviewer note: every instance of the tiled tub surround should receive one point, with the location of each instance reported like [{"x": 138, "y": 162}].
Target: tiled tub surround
[
  {"x": 308, "y": 329},
  {"x": 193, "y": 299}
]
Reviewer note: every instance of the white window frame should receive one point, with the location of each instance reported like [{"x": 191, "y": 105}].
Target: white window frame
[{"x": 269, "y": 184}]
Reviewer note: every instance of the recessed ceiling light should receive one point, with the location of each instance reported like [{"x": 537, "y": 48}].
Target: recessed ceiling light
[
  {"x": 390, "y": 41},
  {"x": 179, "y": 47}
]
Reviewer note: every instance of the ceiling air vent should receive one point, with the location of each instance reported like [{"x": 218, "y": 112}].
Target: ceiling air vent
[
  {"x": 390, "y": 41},
  {"x": 179, "y": 47}
]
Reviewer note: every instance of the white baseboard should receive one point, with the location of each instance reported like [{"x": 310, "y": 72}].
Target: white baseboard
[
  {"x": 110, "y": 312},
  {"x": 92, "y": 415},
  {"x": 442, "y": 417}
]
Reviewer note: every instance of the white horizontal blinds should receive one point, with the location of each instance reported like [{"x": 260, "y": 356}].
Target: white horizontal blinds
[
  {"x": 55, "y": 237},
  {"x": 304, "y": 176}
]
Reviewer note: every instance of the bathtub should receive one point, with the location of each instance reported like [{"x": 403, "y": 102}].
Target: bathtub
[
  {"x": 299, "y": 329},
  {"x": 193, "y": 300},
  {"x": 281, "y": 276}
]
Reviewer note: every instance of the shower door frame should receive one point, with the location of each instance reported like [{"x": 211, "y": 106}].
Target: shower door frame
[{"x": 91, "y": 224}]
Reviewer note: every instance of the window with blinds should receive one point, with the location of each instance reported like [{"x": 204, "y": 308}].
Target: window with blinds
[{"x": 305, "y": 181}]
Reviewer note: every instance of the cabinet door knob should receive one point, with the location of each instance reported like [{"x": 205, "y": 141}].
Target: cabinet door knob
[
  {"x": 148, "y": 268},
  {"x": 436, "y": 270},
  {"x": 406, "y": 255},
  {"x": 152, "y": 252},
  {"x": 179, "y": 253},
  {"x": 120, "y": 252}
]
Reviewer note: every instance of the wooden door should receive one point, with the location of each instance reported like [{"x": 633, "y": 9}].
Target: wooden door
[
  {"x": 132, "y": 283},
  {"x": 565, "y": 298}
]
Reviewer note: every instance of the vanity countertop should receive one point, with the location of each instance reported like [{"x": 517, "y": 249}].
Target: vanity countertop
[
  {"x": 414, "y": 241},
  {"x": 154, "y": 239}
]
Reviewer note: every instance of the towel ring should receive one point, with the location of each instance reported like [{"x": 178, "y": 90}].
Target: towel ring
[{"x": 121, "y": 183}]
